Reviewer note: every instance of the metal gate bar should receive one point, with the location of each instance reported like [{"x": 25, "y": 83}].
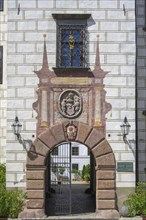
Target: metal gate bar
[{"x": 60, "y": 178}]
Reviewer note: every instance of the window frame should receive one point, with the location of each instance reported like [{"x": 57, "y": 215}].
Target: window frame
[
  {"x": 1, "y": 65},
  {"x": 1, "y": 5},
  {"x": 73, "y": 19},
  {"x": 70, "y": 26},
  {"x": 75, "y": 151},
  {"x": 75, "y": 164}
]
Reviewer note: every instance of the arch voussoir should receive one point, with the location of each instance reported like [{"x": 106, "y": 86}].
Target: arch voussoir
[
  {"x": 83, "y": 132},
  {"x": 107, "y": 160},
  {"x": 34, "y": 159},
  {"x": 58, "y": 133},
  {"x": 40, "y": 148},
  {"x": 48, "y": 138},
  {"x": 101, "y": 148},
  {"x": 95, "y": 136}
]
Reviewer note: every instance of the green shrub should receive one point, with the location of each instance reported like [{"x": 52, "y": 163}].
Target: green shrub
[
  {"x": 2, "y": 176},
  {"x": 136, "y": 201},
  {"x": 86, "y": 172},
  {"x": 11, "y": 201},
  {"x": 16, "y": 202}
]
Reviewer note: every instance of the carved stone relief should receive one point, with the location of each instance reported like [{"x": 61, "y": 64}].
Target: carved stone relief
[{"x": 70, "y": 103}]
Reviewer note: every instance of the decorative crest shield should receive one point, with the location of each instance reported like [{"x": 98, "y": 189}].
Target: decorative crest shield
[{"x": 70, "y": 103}]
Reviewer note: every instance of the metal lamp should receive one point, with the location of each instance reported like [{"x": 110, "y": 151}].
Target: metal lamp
[
  {"x": 16, "y": 126},
  {"x": 125, "y": 127}
]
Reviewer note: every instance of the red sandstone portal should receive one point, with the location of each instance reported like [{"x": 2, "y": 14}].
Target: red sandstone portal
[
  {"x": 105, "y": 168},
  {"x": 78, "y": 98}
]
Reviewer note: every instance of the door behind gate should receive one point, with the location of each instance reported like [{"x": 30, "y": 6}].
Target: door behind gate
[{"x": 59, "y": 189}]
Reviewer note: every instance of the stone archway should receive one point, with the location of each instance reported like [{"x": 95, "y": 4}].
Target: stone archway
[{"x": 105, "y": 168}]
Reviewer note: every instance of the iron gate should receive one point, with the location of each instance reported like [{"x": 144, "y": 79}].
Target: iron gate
[{"x": 60, "y": 179}]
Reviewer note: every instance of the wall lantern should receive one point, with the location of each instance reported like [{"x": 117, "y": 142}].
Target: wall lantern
[
  {"x": 125, "y": 127},
  {"x": 16, "y": 126}
]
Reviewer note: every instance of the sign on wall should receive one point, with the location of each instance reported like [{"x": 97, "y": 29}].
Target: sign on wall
[{"x": 124, "y": 166}]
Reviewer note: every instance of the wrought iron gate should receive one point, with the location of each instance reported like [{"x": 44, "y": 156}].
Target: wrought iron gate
[{"x": 60, "y": 179}]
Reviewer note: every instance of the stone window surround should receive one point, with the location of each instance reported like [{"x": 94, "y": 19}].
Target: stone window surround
[
  {"x": 1, "y": 5},
  {"x": 1, "y": 64}
]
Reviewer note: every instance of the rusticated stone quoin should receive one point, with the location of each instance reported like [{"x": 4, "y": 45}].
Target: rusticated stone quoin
[
  {"x": 106, "y": 184},
  {"x": 35, "y": 175},
  {"x": 105, "y": 174},
  {"x": 105, "y": 194},
  {"x": 34, "y": 194},
  {"x": 106, "y": 204},
  {"x": 33, "y": 184},
  {"x": 35, "y": 203}
]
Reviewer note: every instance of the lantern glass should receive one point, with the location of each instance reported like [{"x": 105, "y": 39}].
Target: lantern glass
[
  {"x": 16, "y": 126},
  {"x": 125, "y": 127}
]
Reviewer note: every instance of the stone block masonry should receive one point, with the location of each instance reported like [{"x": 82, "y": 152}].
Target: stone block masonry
[{"x": 117, "y": 53}]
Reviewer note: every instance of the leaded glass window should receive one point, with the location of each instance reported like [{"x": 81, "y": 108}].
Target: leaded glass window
[
  {"x": 1, "y": 64},
  {"x": 1, "y": 5},
  {"x": 72, "y": 45}
]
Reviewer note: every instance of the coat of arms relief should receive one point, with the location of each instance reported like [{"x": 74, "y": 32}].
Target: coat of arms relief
[{"x": 70, "y": 103}]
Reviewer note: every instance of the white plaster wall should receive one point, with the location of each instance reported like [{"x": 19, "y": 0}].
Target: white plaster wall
[{"x": 117, "y": 53}]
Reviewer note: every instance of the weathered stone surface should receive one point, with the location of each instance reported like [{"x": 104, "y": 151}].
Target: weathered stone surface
[
  {"x": 106, "y": 184},
  {"x": 35, "y": 203},
  {"x": 102, "y": 148},
  {"x": 35, "y": 194},
  {"x": 32, "y": 213},
  {"x": 105, "y": 160},
  {"x": 35, "y": 184},
  {"x": 83, "y": 132},
  {"x": 105, "y": 174},
  {"x": 106, "y": 204},
  {"x": 58, "y": 133},
  {"x": 40, "y": 148},
  {"x": 94, "y": 138},
  {"x": 34, "y": 159},
  {"x": 107, "y": 214},
  {"x": 48, "y": 139},
  {"x": 35, "y": 175},
  {"x": 106, "y": 194}
]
